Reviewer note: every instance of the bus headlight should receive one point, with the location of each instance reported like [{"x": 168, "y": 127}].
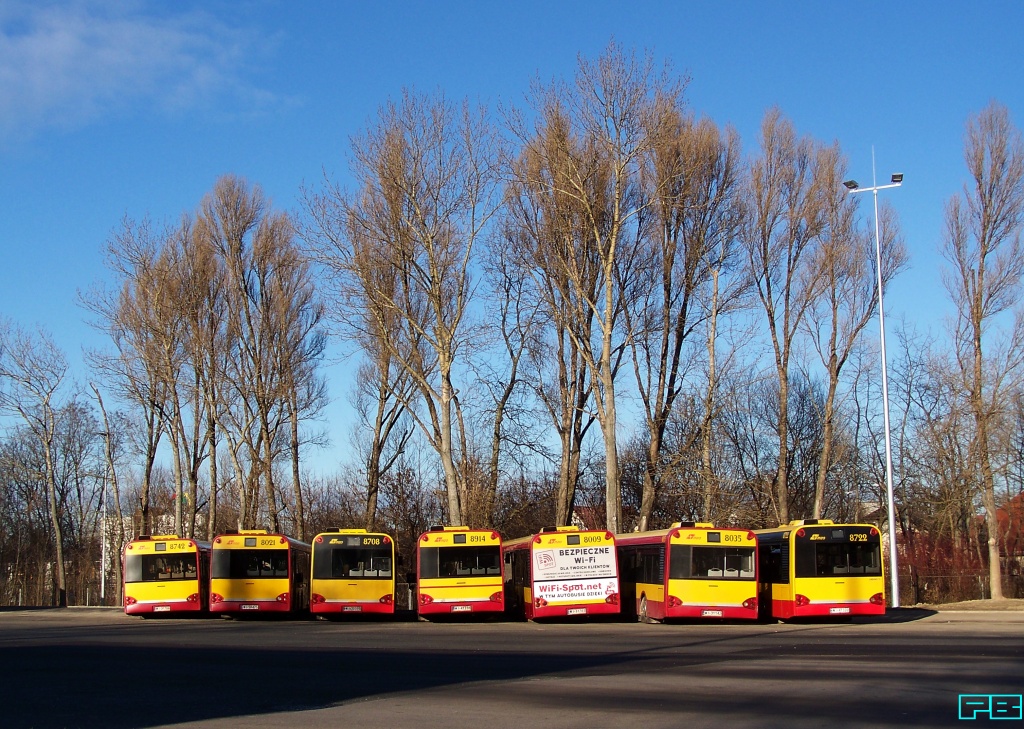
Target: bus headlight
[
  {"x": 386, "y": 600},
  {"x": 750, "y": 603},
  {"x": 318, "y": 599},
  {"x": 878, "y": 599},
  {"x": 283, "y": 597}
]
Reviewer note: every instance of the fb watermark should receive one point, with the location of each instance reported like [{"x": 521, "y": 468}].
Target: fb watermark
[{"x": 991, "y": 706}]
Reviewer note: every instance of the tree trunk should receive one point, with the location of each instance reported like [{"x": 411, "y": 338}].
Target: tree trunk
[
  {"x": 782, "y": 471},
  {"x": 300, "y": 519},
  {"x": 828, "y": 428}
]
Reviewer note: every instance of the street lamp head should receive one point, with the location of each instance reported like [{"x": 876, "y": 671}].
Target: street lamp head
[
  {"x": 897, "y": 178},
  {"x": 851, "y": 184}
]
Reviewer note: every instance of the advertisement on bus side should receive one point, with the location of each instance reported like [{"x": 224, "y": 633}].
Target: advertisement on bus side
[{"x": 575, "y": 574}]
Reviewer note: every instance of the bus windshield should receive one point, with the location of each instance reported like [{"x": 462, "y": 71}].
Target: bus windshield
[
  {"x": 249, "y": 563},
  {"x": 718, "y": 563},
  {"x": 159, "y": 567},
  {"x": 838, "y": 558},
  {"x": 332, "y": 562},
  {"x": 459, "y": 561}
]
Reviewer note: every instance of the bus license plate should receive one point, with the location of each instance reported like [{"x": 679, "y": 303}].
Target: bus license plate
[
  {"x": 162, "y": 609},
  {"x": 839, "y": 611},
  {"x": 711, "y": 613},
  {"x": 248, "y": 607},
  {"x": 352, "y": 609},
  {"x": 576, "y": 611},
  {"x": 462, "y": 608}
]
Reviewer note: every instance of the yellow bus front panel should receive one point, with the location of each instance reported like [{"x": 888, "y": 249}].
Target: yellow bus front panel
[
  {"x": 821, "y": 569},
  {"x": 353, "y": 572},
  {"x": 252, "y": 572},
  {"x": 712, "y": 573},
  {"x": 165, "y": 575},
  {"x": 691, "y": 570},
  {"x": 459, "y": 570}
]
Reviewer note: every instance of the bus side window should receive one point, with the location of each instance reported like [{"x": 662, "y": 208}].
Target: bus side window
[{"x": 772, "y": 565}]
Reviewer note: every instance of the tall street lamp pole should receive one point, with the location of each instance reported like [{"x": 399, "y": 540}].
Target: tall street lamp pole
[
  {"x": 103, "y": 547},
  {"x": 853, "y": 187}
]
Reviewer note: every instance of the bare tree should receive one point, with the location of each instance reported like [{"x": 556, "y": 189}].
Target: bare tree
[
  {"x": 546, "y": 231},
  {"x": 515, "y": 312},
  {"x": 33, "y": 372},
  {"x": 381, "y": 392},
  {"x": 982, "y": 243},
  {"x": 614, "y": 112},
  {"x": 692, "y": 173},
  {"x": 428, "y": 178},
  {"x": 384, "y": 388},
  {"x": 786, "y": 214},
  {"x": 728, "y": 289},
  {"x": 111, "y": 438},
  {"x": 849, "y": 291},
  {"x": 273, "y": 327},
  {"x": 133, "y": 370}
]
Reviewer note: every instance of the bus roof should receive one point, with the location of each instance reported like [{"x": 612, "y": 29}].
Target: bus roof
[
  {"x": 229, "y": 539},
  {"x": 700, "y": 529},
  {"x": 799, "y": 523},
  {"x": 458, "y": 536},
  {"x": 558, "y": 535},
  {"x": 354, "y": 537},
  {"x": 147, "y": 543}
]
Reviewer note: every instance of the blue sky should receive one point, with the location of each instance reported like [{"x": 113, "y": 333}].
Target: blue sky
[{"x": 115, "y": 108}]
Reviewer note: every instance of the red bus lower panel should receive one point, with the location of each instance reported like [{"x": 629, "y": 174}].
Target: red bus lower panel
[
  {"x": 352, "y": 608},
  {"x": 714, "y": 612},
  {"x": 463, "y": 608},
  {"x": 251, "y": 606},
  {"x": 571, "y": 611},
  {"x": 161, "y": 608},
  {"x": 785, "y": 609}
]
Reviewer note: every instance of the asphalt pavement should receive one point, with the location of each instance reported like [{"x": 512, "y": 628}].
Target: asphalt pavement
[{"x": 93, "y": 668}]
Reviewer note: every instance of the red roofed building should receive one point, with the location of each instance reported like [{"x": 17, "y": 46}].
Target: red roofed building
[{"x": 1010, "y": 518}]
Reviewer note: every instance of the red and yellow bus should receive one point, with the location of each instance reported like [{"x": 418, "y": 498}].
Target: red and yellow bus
[
  {"x": 816, "y": 568},
  {"x": 560, "y": 572},
  {"x": 458, "y": 570},
  {"x": 255, "y": 571},
  {"x": 690, "y": 570},
  {"x": 166, "y": 574},
  {"x": 353, "y": 572}
]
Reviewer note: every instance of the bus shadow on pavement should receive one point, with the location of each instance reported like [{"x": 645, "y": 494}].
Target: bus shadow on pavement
[
  {"x": 899, "y": 615},
  {"x": 116, "y": 686}
]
